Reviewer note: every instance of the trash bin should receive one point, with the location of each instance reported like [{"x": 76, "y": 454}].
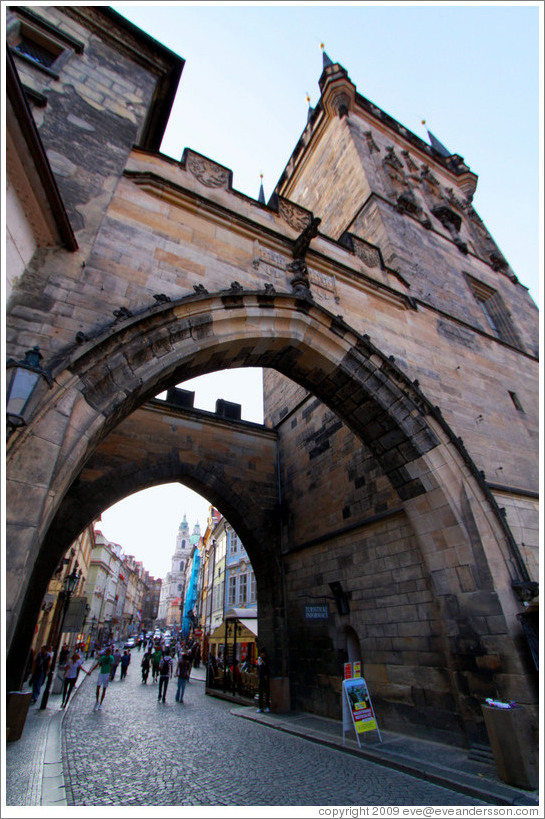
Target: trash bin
[
  {"x": 513, "y": 745},
  {"x": 16, "y": 713}
]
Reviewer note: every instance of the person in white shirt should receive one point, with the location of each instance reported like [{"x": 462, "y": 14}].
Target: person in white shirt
[{"x": 71, "y": 671}]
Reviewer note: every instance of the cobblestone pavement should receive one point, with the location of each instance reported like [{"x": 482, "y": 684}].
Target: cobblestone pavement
[{"x": 138, "y": 751}]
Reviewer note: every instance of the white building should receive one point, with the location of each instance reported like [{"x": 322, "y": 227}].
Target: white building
[{"x": 174, "y": 584}]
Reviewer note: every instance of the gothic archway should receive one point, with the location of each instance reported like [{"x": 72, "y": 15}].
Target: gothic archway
[{"x": 108, "y": 378}]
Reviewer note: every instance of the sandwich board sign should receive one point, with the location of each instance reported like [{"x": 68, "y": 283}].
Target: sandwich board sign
[{"x": 357, "y": 708}]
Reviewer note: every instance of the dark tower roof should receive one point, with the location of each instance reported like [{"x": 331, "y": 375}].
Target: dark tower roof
[
  {"x": 435, "y": 144},
  {"x": 261, "y": 196},
  {"x": 326, "y": 61}
]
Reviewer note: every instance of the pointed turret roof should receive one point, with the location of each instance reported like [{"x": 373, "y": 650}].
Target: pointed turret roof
[
  {"x": 310, "y": 108},
  {"x": 261, "y": 196},
  {"x": 326, "y": 60},
  {"x": 436, "y": 144}
]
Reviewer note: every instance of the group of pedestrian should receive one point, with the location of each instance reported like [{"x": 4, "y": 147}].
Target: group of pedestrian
[{"x": 165, "y": 665}]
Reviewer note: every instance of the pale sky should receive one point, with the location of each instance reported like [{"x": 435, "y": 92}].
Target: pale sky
[{"x": 472, "y": 72}]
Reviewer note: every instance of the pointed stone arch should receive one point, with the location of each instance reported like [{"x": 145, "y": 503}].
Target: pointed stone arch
[{"x": 107, "y": 379}]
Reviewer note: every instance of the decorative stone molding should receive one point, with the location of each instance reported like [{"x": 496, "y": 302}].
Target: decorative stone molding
[
  {"x": 208, "y": 173},
  {"x": 341, "y": 103}
]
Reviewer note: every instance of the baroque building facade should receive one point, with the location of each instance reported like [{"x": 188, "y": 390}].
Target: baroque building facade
[{"x": 401, "y": 375}]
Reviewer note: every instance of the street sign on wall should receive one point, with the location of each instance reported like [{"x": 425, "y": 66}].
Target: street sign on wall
[
  {"x": 320, "y": 612},
  {"x": 77, "y": 609}
]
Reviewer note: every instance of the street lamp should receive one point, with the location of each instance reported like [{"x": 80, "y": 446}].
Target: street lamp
[
  {"x": 70, "y": 584},
  {"x": 21, "y": 379}
]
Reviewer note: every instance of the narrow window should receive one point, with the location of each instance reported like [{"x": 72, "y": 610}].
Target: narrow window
[
  {"x": 242, "y": 589},
  {"x": 515, "y": 400},
  {"x": 44, "y": 55},
  {"x": 495, "y": 312},
  {"x": 232, "y": 591}
]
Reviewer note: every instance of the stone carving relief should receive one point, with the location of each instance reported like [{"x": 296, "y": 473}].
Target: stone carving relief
[
  {"x": 392, "y": 160},
  {"x": 411, "y": 165},
  {"x": 486, "y": 245},
  {"x": 429, "y": 181},
  {"x": 296, "y": 217},
  {"x": 366, "y": 252},
  {"x": 270, "y": 264},
  {"x": 207, "y": 172},
  {"x": 371, "y": 144},
  {"x": 324, "y": 286}
]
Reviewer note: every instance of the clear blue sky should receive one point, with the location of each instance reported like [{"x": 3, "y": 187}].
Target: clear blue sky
[{"x": 472, "y": 72}]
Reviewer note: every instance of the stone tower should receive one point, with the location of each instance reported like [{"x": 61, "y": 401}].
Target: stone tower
[
  {"x": 398, "y": 479},
  {"x": 467, "y": 336}
]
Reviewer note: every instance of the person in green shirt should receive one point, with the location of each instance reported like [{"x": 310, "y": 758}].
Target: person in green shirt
[
  {"x": 156, "y": 658},
  {"x": 105, "y": 663}
]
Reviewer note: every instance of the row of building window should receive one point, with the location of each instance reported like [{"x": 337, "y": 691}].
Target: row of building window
[{"x": 241, "y": 590}]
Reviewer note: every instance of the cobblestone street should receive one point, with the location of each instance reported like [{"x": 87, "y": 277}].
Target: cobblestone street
[{"x": 138, "y": 751}]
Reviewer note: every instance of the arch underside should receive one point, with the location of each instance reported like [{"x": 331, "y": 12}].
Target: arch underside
[{"x": 105, "y": 383}]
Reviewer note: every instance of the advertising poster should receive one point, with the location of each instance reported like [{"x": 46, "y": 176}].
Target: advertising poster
[
  {"x": 357, "y": 669},
  {"x": 347, "y": 671},
  {"x": 358, "y": 705}
]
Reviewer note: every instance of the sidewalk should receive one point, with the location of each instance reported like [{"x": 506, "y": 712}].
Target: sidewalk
[
  {"x": 34, "y": 771},
  {"x": 435, "y": 762}
]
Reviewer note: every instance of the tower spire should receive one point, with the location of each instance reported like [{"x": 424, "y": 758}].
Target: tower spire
[
  {"x": 325, "y": 59},
  {"x": 435, "y": 144},
  {"x": 261, "y": 196},
  {"x": 310, "y": 108}
]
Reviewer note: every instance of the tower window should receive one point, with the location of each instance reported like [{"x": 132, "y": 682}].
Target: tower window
[
  {"x": 495, "y": 311},
  {"x": 515, "y": 400},
  {"x": 36, "y": 51}
]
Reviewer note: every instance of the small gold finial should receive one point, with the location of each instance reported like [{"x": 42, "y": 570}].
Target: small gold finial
[
  {"x": 322, "y": 46},
  {"x": 308, "y": 98},
  {"x": 423, "y": 122},
  {"x": 261, "y": 176}
]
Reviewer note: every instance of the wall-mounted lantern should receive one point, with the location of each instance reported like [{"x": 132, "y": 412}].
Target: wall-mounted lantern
[{"x": 21, "y": 380}]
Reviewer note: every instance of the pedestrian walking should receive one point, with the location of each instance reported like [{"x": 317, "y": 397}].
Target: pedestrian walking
[
  {"x": 125, "y": 662},
  {"x": 155, "y": 660},
  {"x": 145, "y": 664},
  {"x": 40, "y": 669},
  {"x": 71, "y": 672},
  {"x": 237, "y": 677},
  {"x": 264, "y": 682},
  {"x": 116, "y": 660},
  {"x": 212, "y": 670},
  {"x": 183, "y": 672},
  {"x": 165, "y": 674},
  {"x": 105, "y": 663},
  {"x": 64, "y": 655}
]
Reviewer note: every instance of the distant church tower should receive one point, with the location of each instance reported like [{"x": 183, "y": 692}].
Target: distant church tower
[
  {"x": 172, "y": 592},
  {"x": 183, "y": 546}
]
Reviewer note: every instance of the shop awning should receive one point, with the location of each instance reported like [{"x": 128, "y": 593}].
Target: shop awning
[{"x": 247, "y": 629}]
